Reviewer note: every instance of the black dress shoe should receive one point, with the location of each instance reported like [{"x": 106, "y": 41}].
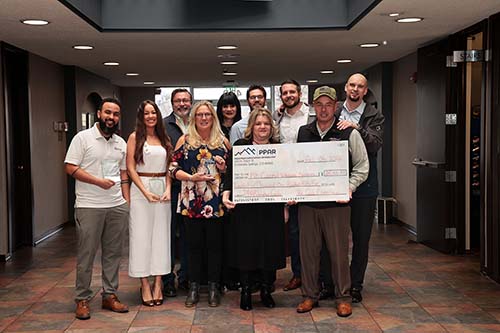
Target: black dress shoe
[
  {"x": 265, "y": 296},
  {"x": 326, "y": 294},
  {"x": 169, "y": 289},
  {"x": 356, "y": 295},
  {"x": 246, "y": 298}
]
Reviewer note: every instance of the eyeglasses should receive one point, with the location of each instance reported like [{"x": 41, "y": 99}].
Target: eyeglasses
[
  {"x": 327, "y": 105},
  {"x": 185, "y": 101},
  {"x": 203, "y": 115},
  {"x": 253, "y": 98}
]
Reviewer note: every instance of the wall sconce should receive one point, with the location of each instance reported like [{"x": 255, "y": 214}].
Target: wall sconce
[{"x": 60, "y": 127}]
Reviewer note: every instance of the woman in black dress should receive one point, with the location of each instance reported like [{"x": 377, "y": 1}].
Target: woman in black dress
[{"x": 259, "y": 228}]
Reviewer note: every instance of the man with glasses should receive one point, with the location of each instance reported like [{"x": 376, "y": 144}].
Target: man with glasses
[
  {"x": 176, "y": 125},
  {"x": 329, "y": 220},
  {"x": 256, "y": 97},
  {"x": 289, "y": 118}
]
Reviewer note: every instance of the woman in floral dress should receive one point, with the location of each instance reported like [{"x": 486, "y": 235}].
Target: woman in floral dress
[{"x": 198, "y": 162}]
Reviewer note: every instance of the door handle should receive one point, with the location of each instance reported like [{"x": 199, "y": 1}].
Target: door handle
[
  {"x": 430, "y": 164},
  {"x": 435, "y": 165},
  {"x": 418, "y": 162}
]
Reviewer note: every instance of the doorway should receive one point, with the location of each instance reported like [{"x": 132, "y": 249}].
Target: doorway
[{"x": 15, "y": 77}]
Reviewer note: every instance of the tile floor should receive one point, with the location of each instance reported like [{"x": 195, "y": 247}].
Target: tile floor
[{"x": 409, "y": 288}]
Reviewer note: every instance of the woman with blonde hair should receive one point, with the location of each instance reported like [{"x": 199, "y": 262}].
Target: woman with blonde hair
[
  {"x": 258, "y": 228},
  {"x": 198, "y": 162},
  {"x": 148, "y": 154}
]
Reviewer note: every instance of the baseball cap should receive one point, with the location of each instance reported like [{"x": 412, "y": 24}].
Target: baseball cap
[{"x": 325, "y": 91}]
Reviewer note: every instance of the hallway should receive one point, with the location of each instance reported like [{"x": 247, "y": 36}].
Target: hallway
[{"x": 409, "y": 288}]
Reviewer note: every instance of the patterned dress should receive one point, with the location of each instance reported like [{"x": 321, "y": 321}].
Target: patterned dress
[{"x": 200, "y": 199}]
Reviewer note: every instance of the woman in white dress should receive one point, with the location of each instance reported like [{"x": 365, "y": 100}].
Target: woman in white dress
[{"x": 149, "y": 152}]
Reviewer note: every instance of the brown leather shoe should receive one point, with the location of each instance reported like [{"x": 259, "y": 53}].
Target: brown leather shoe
[
  {"x": 344, "y": 309},
  {"x": 113, "y": 303},
  {"x": 307, "y": 305},
  {"x": 82, "y": 310},
  {"x": 294, "y": 283}
]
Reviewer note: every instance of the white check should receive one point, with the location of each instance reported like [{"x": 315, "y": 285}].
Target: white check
[{"x": 312, "y": 171}]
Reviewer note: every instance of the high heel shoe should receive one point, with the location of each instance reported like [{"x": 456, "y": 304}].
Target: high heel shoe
[
  {"x": 147, "y": 303},
  {"x": 158, "y": 301}
]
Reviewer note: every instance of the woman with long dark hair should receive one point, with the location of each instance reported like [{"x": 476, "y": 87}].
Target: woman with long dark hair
[
  {"x": 149, "y": 152},
  {"x": 228, "y": 111}
]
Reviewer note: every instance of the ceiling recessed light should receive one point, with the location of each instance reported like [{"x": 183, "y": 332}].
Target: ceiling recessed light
[
  {"x": 149, "y": 82},
  {"x": 83, "y": 47},
  {"x": 227, "y": 47},
  {"x": 312, "y": 81},
  {"x": 394, "y": 14},
  {"x": 327, "y": 71},
  {"x": 344, "y": 61},
  {"x": 230, "y": 73},
  {"x": 132, "y": 74},
  {"x": 409, "y": 20},
  {"x": 229, "y": 63},
  {"x": 369, "y": 45},
  {"x": 35, "y": 22},
  {"x": 111, "y": 63}
]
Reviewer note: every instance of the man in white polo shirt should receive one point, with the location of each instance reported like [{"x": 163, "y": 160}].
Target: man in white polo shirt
[{"x": 96, "y": 159}]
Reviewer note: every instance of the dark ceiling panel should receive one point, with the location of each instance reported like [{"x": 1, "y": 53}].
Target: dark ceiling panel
[{"x": 221, "y": 15}]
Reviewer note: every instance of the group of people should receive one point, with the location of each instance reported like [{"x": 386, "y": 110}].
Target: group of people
[{"x": 171, "y": 185}]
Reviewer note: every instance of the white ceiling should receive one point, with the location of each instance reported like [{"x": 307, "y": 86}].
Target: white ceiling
[{"x": 179, "y": 59}]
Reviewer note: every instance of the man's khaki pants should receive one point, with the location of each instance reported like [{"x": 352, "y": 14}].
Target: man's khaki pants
[
  {"x": 105, "y": 226},
  {"x": 332, "y": 224}
]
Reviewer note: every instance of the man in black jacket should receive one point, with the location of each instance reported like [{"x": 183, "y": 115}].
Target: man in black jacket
[
  {"x": 355, "y": 113},
  {"x": 329, "y": 220},
  {"x": 176, "y": 125}
]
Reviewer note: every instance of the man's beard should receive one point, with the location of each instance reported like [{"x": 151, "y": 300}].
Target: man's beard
[
  {"x": 295, "y": 103},
  {"x": 106, "y": 129}
]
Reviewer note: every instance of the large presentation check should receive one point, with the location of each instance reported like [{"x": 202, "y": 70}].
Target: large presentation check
[{"x": 313, "y": 171}]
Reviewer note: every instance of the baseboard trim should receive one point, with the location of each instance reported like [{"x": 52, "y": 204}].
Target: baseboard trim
[
  {"x": 411, "y": 229},
  {"x": 50, "y": 233}
]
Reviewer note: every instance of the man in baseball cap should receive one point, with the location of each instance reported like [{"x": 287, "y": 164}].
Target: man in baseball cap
[{"x": 329, "y": 220}]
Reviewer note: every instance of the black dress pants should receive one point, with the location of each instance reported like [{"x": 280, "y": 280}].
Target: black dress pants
[
  {"x": 362, "y": 214},
  {"x": 204, "y": 237}
]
